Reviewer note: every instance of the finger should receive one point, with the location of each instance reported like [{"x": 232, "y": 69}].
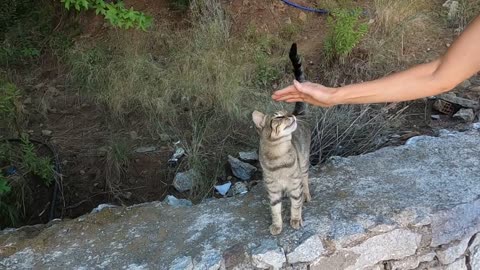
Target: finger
[
  {"x": 290, "y": 100},
  {"x": 296, "y": 96},
  {"x": 286, "y": 90}
]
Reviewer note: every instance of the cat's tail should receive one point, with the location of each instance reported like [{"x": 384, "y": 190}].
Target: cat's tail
[{"x": 300, "y": 107}]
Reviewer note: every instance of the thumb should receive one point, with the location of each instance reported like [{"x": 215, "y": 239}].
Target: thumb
[{"x": 301, "y": 88}]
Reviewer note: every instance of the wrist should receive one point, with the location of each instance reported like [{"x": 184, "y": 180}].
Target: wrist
[{"x": 335, "y": 97}]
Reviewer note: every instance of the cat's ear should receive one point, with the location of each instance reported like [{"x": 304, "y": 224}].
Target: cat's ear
[{"x": 258, "y": 119}]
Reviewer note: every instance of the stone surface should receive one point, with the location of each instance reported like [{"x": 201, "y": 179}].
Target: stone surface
[
  {"x": 458, "y": 265},
  {"x": 453, "y": 251},
  {"x": 182, "y": 263},
  {"x": 240, "y": 169},
  {"x": 183, "y": 181},
  {"x": 308, "y": 251},
  {"x": 416, "y": 197},
  {"x": 412, "y": 262},
  {"x": 248, "y": 156},
  {"x": 466, "y": 103},
  {"x": 475, "y": 256},
  {"x": 393, "y": 245},
  {"x": 268, "y": 255},
  {"x": 173, "y": 201},
  {"x": 466, "y": 115}
]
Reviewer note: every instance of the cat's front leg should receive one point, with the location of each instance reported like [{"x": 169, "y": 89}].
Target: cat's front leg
[
  {"x": 276, "y": 208},
  {"x": 296, "y": 200}
]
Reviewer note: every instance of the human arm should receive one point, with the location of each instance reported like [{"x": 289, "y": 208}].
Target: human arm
[{"x": 460, "y": 62}]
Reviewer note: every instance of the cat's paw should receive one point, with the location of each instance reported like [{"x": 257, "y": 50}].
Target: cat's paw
[
  {"x": 275, "y": 229},
  {"x": 296, "y": 223},
  {"x": 307, "y": 197}
]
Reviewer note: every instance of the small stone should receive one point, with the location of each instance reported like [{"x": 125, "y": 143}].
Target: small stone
[
  {"x": 463, "y": 102},
  {"x": 82, "y": 172},
  {"x": 302, "y": 16},
  {"x": 183, "y": 181},
  {"x": 310, "y": 250},
  {"x": 30, "y": 131},
  {"x": 173, "y": 201},
  {"x": 239, "y": 188},
  {"x": 133, "y": 135},
  {"x": 95, "y": 184},
  {"x": 53, "y": 91},
  {"x": 248, "y": 156},
  {"x": 27, "y": 101},
  {"x": 223, "y": 189},
  {"x": 476, "y": 126},
  {"x": 268, "y": 255},
  {"x": 164, "y": 137},
  {"x": 466, "y": 115},
  {"x": 435, "y": 116},
  {"x": 102, "y": 206},
  {"x": 39, "y": 86},
  {"x": 448, "y": 45},
  {"x": 371, "y": 21},
  {"x": 182, "y": 263},
  {"x": 46, "y": 132},
  {"x": 288, "y": 21},
  {"x": 241, "y": 170},
  {"x": 127, "y": 195},
  {"x": 145, "y": 149},
  {"x": 466, "y": 84}
]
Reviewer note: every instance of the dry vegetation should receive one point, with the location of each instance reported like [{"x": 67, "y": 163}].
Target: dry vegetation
[{"x": 199, "y": 83}]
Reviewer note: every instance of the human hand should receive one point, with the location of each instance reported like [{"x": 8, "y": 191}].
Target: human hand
[{"x": 312, "y": 93}]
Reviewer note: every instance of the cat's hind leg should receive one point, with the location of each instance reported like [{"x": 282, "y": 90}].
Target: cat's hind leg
[{"x": 306, "y": 189}]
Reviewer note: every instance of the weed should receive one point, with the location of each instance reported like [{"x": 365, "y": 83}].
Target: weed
[
  {"x": 345, "y": 33},
  {"x": 19, "y": 164},
  {"x": 10, "y": 108},
  {"x": 38, "y": 166},
  {"x": 349, "y": 130},
  {"x": 467, "y": 10},
  {"x": 117, "y": 161}
]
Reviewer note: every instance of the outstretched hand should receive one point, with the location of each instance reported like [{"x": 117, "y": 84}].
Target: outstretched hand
[{"x": 312, "y": 93}]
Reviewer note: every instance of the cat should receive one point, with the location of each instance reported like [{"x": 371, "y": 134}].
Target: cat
[{"x": 284, "y": 156}]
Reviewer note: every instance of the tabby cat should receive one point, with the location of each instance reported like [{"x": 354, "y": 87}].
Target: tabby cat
[{"x": 284, "y": 156}]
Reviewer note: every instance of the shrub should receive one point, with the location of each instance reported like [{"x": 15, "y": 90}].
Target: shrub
[
  {"x": 115, "y": 13},
  {"x": 345, "y": 32}
]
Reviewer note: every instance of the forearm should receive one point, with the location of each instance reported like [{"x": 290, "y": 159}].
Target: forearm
[
  {"x": 414, "y": 83},
  {"x": 461, "y": 61}
]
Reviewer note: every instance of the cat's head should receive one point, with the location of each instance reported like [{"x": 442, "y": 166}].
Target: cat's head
[{"x": 274, "y": 127}]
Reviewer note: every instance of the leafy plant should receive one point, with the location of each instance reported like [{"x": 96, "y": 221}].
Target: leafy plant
[
  {"x": 345, "y": 32},
  {"x": 4, "y": 187},
  {"x": 39, "y": 166},
  {"x": 9, "y": 100},
  {"x": 115, "y": 13}
]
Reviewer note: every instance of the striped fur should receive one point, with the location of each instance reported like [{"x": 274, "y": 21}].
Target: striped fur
[{"x": 283, "y": 152}]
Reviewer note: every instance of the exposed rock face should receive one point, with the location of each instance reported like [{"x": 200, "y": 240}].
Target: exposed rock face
[{"x": 410, "y": 207}]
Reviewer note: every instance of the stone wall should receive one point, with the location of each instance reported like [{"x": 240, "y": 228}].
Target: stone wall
[{"x": 410, "y": 207}]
